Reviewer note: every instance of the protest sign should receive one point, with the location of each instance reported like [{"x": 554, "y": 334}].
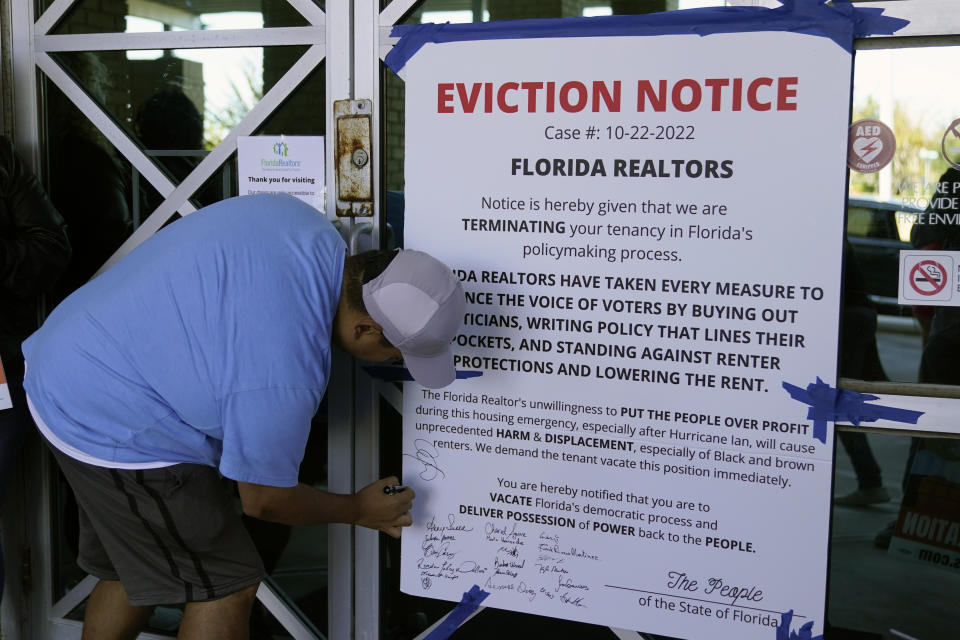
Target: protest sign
[
  {"x": 928, "y": 525},
  {"x": 650, "y": 247}
]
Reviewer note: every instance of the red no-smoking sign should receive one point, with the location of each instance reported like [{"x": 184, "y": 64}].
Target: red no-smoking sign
[{"x": 927, "y": 277}]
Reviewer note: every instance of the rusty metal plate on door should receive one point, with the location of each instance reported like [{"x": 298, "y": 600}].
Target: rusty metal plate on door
[{"x": 353, "y": 161}]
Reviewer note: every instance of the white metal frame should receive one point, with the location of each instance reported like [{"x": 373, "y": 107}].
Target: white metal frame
[
  {"x": 32, "y": 51},
  {"x": 927, "y": 18},
  {"x": 353, "y": 36}
]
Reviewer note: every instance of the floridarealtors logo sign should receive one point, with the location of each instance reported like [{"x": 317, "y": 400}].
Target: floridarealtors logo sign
[{"x": 281, "y": 150}]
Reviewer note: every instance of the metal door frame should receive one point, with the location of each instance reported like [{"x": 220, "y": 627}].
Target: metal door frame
[
  {"x": 353, "y": 36},
  {"x": 932, "y": 22},
  {"x": 32, "y": 613}
]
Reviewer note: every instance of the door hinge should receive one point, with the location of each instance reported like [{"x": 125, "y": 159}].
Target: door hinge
[{"x": 26, "y": 571}]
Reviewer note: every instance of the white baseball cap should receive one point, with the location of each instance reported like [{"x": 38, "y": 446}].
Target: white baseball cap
[{"x": 419, "y": 303}]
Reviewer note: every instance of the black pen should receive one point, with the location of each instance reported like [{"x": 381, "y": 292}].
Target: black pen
[{"x": 391, "y": 489}]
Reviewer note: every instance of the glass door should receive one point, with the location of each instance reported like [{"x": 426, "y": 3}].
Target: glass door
[
  {"x": 889, "y": 483},
  {"x": 131, "y": 111},
  {"x": 96, "y": 83}
]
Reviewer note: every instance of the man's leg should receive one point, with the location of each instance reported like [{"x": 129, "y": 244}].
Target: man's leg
[
  {"x": 225, "y": 619},
  {"x": 110, "y": 616},
  {"x": 142, "y": 528},
  {"x": 870, "y": 489}
]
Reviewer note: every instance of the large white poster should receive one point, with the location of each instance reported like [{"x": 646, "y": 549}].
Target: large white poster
[{"x": 649, "y": 230}]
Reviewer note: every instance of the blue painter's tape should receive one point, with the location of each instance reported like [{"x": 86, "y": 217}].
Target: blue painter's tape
[
  {"x": 468, "y": 604},
  {"x": 841, "y": 405},
  {"x": 784, "y": 632},
  {"x": 841, "y": 22},
  {"x": 400, "y": 374}
]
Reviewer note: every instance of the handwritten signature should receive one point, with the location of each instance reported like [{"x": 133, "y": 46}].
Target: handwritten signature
[
  {"x": 491, "y": 584},
  {"x": 511, "y": 535},
  {"x": 568, "y": 583},
  {"x": 683, "y": 582},
  {"x": 451, "y": 525},
  {"x": 433, "y": 547},
  {"x": 572, "y": 552},
  {"x": 577, "y": 601},
  {"x": 448, "y": 570},
  {"x": 426, "y": 455}
]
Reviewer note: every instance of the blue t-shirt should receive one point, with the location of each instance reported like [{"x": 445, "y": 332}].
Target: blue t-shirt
[{"x": 209, "y": 343}]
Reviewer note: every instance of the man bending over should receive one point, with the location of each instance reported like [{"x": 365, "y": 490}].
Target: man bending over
[{"x": 198, "y": 360}]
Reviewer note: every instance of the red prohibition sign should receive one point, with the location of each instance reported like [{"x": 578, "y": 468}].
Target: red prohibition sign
[{"x": 928, "y": 278}]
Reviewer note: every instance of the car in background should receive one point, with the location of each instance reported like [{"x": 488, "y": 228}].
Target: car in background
[{"x": 878, "y": 231}]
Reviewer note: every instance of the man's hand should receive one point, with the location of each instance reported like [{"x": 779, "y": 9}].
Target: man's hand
[
  {"x": 302, "y": 504},
  {"x": 383, "y": 512}
]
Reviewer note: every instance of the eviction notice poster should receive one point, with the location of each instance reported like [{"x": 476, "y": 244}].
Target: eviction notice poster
[{"x": 650, "y": 246}]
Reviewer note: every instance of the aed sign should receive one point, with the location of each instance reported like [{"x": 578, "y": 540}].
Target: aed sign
[{"x": 871, "y": 147}]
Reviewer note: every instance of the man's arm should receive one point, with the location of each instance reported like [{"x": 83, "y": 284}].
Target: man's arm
[{"x": 303, "y": 504}]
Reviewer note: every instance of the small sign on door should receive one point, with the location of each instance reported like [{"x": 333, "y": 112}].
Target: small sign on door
[
  {"x": 282, "y": 164},
  {"x": 929, "y": 278},
  {"x": 5, "y": 401}
]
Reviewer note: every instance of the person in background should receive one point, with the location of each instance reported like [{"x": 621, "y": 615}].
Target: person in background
[
  {"x": 938, "y": 364},
  {"x": 941, "y": 325},
  {"x": 168, "y": 121},
  {"x": 859, "y": 359},
  {"x": 89, "y": 183},
  {"x": 33, "y": 254}
]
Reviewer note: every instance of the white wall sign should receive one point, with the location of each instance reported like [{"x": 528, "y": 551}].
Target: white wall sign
[
  {"x": 5, "y": 401},
  {"x": 649, "y": 230},
  {"x": 282, "y": 164}
]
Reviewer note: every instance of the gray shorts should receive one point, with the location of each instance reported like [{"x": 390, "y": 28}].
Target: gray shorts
[{"x": 170, "y": 535}]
